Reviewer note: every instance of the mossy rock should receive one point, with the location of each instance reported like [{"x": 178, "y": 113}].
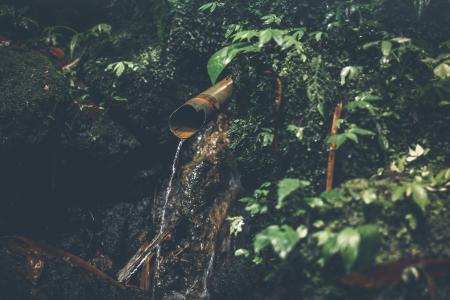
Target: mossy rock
[{"x": 33, "y": 93}]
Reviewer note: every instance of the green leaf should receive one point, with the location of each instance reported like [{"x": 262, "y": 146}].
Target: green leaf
[
  {"x": 236, "y": 224},
  {"x": 401, "y": 40},
  {"x": 219, "y": 60},
  {"x": 361, "y": 131},
  {"x": 286, "y": 186},
  {"x": 349, "y": 72},
  {"x": 253, "y": 206},
  {"x": 282, "y": 238},
  {"x": 119, "y": 69},
  {"x": 386, "y": 48},
  {"x": 420, "y": 196},
  {"x": 327, "y": 240},
  {"x": 412, "y": 221},
  {"x": 298, "y": 131},
  {"x": 73, "y": 43},
  {"x": 339, "y": 139},
  {"x": 370, "y": 244},
  {"x": 352, "y": 136},
  {"x": 119, "y": 98},
  {"x": 318, "y": 36},
  {"x": 398, "y": 193},
  {"x": 348, "y": 241},
  {"x": 264, "y": 37},
  {"x": 442, "y": 71},
  {"x": 302, "y": 231},
  {"x": 241, "y": 252},
  {"x": 369, "y": 196}
]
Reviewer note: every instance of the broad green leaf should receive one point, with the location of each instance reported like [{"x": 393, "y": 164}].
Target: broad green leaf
[
  {"x": 119, "y": 69},
  {"x": 314, "y": 202},
  {"x": 302, "y": 231},
  {"x": 348, "y": 241},
  {"x": 264, "y": 37},
  {"x": 286, "y": 186},
  {"x": 219, "y": 60},
  {"x": 348, "y": 72},
  {"x": 241, "y": 252},
  {"x": 361, "y": 131},
  {"x": 442, "y": 71},
  {"x": 352, "y": 136},
  {"x": 398, "y": 193},
  {"x": 420, "y": 196},
  {"x": 278, "y": 36},
  {"x": 386, "y": 47},
  {"x": 339, "y": 139},
  {"x": 369, "y": 195},
  {"x": 330, "y": 247},
  {"x": 282, "y": 238},
  {"x": 370, "y": 244}
]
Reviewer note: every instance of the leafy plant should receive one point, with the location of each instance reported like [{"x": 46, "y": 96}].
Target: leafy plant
[
  {"x": 351, "y": 244},
  {"x": 236, "y": 224},
  {"x": 286, "y": 187},
  {"x": 282, "y": 239},
  {"x": 119, "y": 67},
  {"x": 211, "y": 6},
  {"x": 351, "y": 133},
  {"x": 257, "y": 204},
  {"x": 252, "y": 41}
]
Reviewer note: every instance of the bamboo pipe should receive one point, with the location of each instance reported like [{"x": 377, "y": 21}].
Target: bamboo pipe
[{"x": 190, "y": 117}]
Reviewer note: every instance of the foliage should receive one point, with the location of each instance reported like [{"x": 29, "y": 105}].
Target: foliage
[
  {"x": 350, "y": 244},
  {"x": 236, "y": 224},
  {"x": 257, "y": 204},
  {"x": 211, "y": 6},
  {"x": 252, "y": 41},
  {"x": 282, "y": 238},
  {"x": 287, "y": 186}
]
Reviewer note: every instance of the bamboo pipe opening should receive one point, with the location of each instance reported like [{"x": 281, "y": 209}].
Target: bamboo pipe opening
[
  {"x": 186, "y": 121},
  {"x": 190, "y": 117}
]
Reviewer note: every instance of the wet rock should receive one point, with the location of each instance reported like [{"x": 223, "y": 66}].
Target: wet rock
[
  {"x": 207, "y": 188},
  {"x": 125, "y": 227}
]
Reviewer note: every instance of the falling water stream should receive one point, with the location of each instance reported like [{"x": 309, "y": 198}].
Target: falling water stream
[
  {"x": 205, "y": 293},
  {"x": 162, "y": 224},
  {"x": 138, "y": 259}
]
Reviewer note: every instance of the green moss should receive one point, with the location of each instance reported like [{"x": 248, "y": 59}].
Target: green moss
[{"x": 33, "y": 93}]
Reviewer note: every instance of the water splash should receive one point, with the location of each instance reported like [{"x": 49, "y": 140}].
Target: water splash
[{"x": 162, "y": 223}]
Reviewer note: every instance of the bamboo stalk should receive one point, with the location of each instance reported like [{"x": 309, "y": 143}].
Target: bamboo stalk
[
  {"x": 332, "y": 148},
  {"x": 144, "y": 283}
]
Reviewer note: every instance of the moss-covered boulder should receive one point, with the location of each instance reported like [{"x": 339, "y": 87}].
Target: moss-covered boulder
[{"x": 32, "y": 95}]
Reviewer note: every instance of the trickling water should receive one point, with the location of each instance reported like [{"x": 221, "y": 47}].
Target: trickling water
[
  {"x": 138, "y": 259},
  {"x": 162, "y": 224},
  {"x": 205, "y": 293}
]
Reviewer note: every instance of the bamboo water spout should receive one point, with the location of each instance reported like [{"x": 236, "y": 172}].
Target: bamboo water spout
[{"x": 186, "y": 120}]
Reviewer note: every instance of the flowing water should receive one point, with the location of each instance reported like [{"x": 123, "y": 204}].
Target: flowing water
[
  {"x": 138, "y": 259},
  {"x": 205, "y": 293},
  {"x": 162, "y": 224}
]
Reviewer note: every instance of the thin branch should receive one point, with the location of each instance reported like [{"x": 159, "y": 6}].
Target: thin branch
[{"x": 332, "y": 149}]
